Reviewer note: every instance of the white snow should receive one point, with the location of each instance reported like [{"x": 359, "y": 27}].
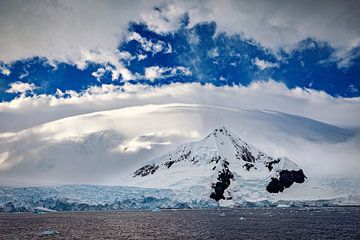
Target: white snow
[
  {"x": 196, "y": 173},
  {"x": 199, "y": 170}
]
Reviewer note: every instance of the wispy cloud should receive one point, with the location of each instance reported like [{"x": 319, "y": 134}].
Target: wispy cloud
[
  {"x": 5, "y": 71},
  {"x": 262, "y": 64},
  {"x": 21, "y": 87},
  {"x": 25, "y": 112},
  {"x": 156, "y": 72}
]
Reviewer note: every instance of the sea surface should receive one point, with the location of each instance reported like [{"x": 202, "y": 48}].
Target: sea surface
[{"x": 247, "y": 223}]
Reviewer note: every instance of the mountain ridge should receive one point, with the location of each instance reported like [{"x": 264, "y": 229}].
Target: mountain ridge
[{"x": 222, "y": 160}]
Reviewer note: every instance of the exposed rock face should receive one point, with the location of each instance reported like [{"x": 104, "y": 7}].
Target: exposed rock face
[
  {"x": 223, "y": 183},
  {"x": 146, "y": 170},
  {"x": 285, "y": 180},
  {"x": 223, "y": 164}
]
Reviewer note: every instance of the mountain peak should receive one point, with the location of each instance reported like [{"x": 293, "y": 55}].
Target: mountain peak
[
  {"x": 220, "y": 164},
  {"x": 222, "y": 130}
]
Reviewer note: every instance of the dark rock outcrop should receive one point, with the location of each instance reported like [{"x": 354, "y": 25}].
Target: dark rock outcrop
[
  {"x": 146, "y": 170},
  {"x": 223, "y": 182},
  {"x": 285, "y": 180}
]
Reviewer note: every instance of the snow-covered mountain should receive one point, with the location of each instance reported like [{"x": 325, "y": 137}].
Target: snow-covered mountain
[{"x": 222, "y": 166}]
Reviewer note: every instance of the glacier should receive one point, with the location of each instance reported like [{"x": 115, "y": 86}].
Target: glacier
[
  {"x": 93, "y": 197},
  {"x": 43, "y": 199}
]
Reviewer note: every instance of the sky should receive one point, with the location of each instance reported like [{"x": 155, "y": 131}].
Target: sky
[{"x": 292, "y": 67}]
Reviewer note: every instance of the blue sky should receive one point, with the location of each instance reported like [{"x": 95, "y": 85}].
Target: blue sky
[{"x": 182, "y": 49}]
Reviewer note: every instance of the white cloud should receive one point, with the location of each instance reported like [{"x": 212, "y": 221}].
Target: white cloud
[
  {"x": 4, "y": 70},
  {"x": 134, "y": 131},
  {"x": 148, "y": 45},
  {"x": 21, "y": 87},
  {"x": 59, "y": 30},
  {"x": 193, "y": 38},
  {"x": 67, "y": 27},
  {"x": 25, "y": 74},
  {"x": 279, "y": 23},
  {"x": 3, "y": 157},
  {"x": 353, "y": 89},
  {"x": 262, "y": 64},
  {"x": 274, "y": 24},
  {"x": 101, "y": 90},
  {"x": 156, "y": 72},
  {"x": 149, "y": 140},
  {"x": 213, "y": 53},
  {"x": 111, "y": 60},
  {"x": 25, "y": 112},
  {"x": 101, "y": 147},
  {"x": 181, "y": 70},
  {"x": 141, "y": 57},
  {"x": 165, "y": 19},
  {"x": 345, "y": 55},
  {"x": 98, "y": 73}
]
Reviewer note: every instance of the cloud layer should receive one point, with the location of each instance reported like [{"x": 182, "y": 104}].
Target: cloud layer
[
  {"x": 61, "y": 29},
  {"x": 104, "y": 146},
  {"x": 26, "y": 112}
]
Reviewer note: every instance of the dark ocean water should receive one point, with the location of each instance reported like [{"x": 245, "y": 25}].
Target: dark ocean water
[{"x": 274, "y": 223}]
